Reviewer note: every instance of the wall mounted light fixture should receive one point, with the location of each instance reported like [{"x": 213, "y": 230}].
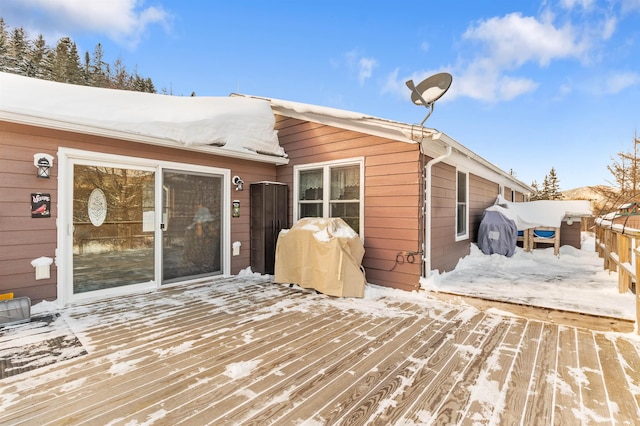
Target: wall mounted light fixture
[
  {"x": 238, "y": 183},
  {"x": 44, "y": 163}
]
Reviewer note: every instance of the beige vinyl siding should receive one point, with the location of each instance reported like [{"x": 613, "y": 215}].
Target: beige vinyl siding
[
  {"x": 23, "y": 239},
  {"x": 507, "y": 193},
  {"x": 392, "y": 188}
]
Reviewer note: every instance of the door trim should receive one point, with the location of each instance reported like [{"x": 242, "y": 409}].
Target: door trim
[{"x": 67, "y": 157}]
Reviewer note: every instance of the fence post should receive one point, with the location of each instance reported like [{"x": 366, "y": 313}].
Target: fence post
[
  {"x": 637, "y": 256},
  {"x": 624, "y": 256}
]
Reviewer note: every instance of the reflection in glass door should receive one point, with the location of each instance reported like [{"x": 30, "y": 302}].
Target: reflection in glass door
[
  {"x": 191, "y": 225},
  {"x": 113, "y": 238}
]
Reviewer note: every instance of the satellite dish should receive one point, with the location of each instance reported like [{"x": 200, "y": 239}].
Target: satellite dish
[{"x": 429, "y": 90}]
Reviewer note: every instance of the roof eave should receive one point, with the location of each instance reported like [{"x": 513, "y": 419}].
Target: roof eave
[{"x": 30, "y": 120}]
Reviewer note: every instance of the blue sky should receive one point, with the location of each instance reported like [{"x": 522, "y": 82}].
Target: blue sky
[{"x": 536, "y": 84}]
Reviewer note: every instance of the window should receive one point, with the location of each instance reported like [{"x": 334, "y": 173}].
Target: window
[
  {"x": 330, "y": 190},
  {"x": 462, "y": 205}
]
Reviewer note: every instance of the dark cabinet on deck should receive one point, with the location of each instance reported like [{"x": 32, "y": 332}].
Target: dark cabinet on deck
[{"x": 268, "y": 216}]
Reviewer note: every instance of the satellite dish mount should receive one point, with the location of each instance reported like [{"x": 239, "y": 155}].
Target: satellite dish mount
[{"x": 428, "y": 91}]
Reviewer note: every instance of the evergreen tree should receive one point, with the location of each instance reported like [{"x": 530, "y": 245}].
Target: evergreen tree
[
  {"x": 4, "y": 47},
  {"x": 41, "y": 59},
  {"x": 99, "y": 70},
  {"x": 120, "y": 78},
  {"x": 550, "y": 187},
  {"x": 536, "y": 191},
  {"x": 19, "y": 52},
  {"x": 148, "y": 86},
  {"x": 74, "y": 67},
  {"x": 22, "y": 56},
  {"x": 60, "y": 60}
]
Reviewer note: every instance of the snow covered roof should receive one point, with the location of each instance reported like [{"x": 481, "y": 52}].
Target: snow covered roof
[
  {"x": 432, "y": 141},
  {"x": 539, "y": 213},
  {"x": 228, "y": 126}
]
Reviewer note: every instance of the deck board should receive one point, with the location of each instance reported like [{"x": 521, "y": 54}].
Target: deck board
[
  {"x": 616, "y": 382},
  {"x": 566, "y": 387},
  {"x": 489, "y": 391},
  {"x": 519, "y": 383},
  {"x": 589, "y": 375},
  {"x": 247, "y": 351},
  {"x": 538, "y": 409}
]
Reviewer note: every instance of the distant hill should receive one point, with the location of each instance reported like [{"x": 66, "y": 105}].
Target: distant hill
[{"x": 604, "y": 198}]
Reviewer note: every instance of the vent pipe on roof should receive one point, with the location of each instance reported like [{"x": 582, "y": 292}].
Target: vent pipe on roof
[{"x": 426, "y": 257}]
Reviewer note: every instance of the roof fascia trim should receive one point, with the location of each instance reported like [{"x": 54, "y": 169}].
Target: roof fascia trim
[{"x": 434, "y": 146}]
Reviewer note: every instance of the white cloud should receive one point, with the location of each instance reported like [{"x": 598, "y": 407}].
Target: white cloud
[
  {"x": 507, "y": 44},
  {"x": 124, "y": 21},
  {"x": 514, "y": 39},
  {"x": 510, "y": 87},
  {"x": 570, "y": 4},
  {"x": 392, "y": 84},
  {"x": 361, "y": 65},
  {"x": 485, "y": 81},
  {"x": 366, "y": 66},
  {"x": 499, "y": 53},
  {"x": 630, "y": 6},
  {"x": 616, "y": 83},
  {"x": 609, "y": 27}
]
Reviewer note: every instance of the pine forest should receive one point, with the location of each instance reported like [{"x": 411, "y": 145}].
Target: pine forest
[{"x": 35, "y": 58}]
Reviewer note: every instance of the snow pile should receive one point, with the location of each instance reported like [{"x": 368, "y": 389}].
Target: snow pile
[
  {"x": 324, "y": 229},
  {"x": 534, "y": 214},
  {"x": 237, "y": 124},
  {"x": 307, "y": 109},
  {"x": 574, "y": 281}
]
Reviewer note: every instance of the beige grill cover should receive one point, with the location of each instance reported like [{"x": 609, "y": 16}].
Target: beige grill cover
[{"x": 323, "y": 254}]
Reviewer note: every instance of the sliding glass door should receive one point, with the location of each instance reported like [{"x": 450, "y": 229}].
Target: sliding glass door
[
  {"x": 135, "y": 223},
  {"x": 191, "y": 225}
]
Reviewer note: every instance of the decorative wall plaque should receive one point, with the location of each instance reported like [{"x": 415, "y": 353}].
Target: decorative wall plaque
[{"x": 40, "y": 205}]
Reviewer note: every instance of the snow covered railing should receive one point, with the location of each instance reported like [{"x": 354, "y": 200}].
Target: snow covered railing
[{"x": 619, "y": 246}]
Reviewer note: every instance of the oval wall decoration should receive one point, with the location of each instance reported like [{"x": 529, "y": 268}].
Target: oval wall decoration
[{"x": 97, "y": 207}]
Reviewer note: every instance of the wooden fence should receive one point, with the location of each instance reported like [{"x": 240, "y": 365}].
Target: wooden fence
[{"x": 619, "y": 246}]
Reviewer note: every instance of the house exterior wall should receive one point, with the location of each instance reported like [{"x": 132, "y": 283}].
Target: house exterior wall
[
  {"x": 23, "y": 239},
  {"x": 520, "y": 197},
  {"x": 508, "y": 194},
  {"x": 392, "y": 192},
  {"x": 445, "y": 250},
  {"x": 570, "y": 235}
]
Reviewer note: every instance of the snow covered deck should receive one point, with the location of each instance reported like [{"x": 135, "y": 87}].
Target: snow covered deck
[{"x": 244, "y": 350}]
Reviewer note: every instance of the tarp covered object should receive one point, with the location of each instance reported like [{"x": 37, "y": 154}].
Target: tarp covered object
[
  {"x": 323, "y": 254},
  {"x": 497, "y": 234},
  {"x": 541, "y": 213}
]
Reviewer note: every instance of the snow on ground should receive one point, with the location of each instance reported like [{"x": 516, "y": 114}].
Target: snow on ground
[{"x": 573, "y": 281}]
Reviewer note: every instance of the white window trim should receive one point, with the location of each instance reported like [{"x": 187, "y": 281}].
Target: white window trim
[
  {"x": 465, "y": 236},
  {"x": 327, "y": 185}
]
